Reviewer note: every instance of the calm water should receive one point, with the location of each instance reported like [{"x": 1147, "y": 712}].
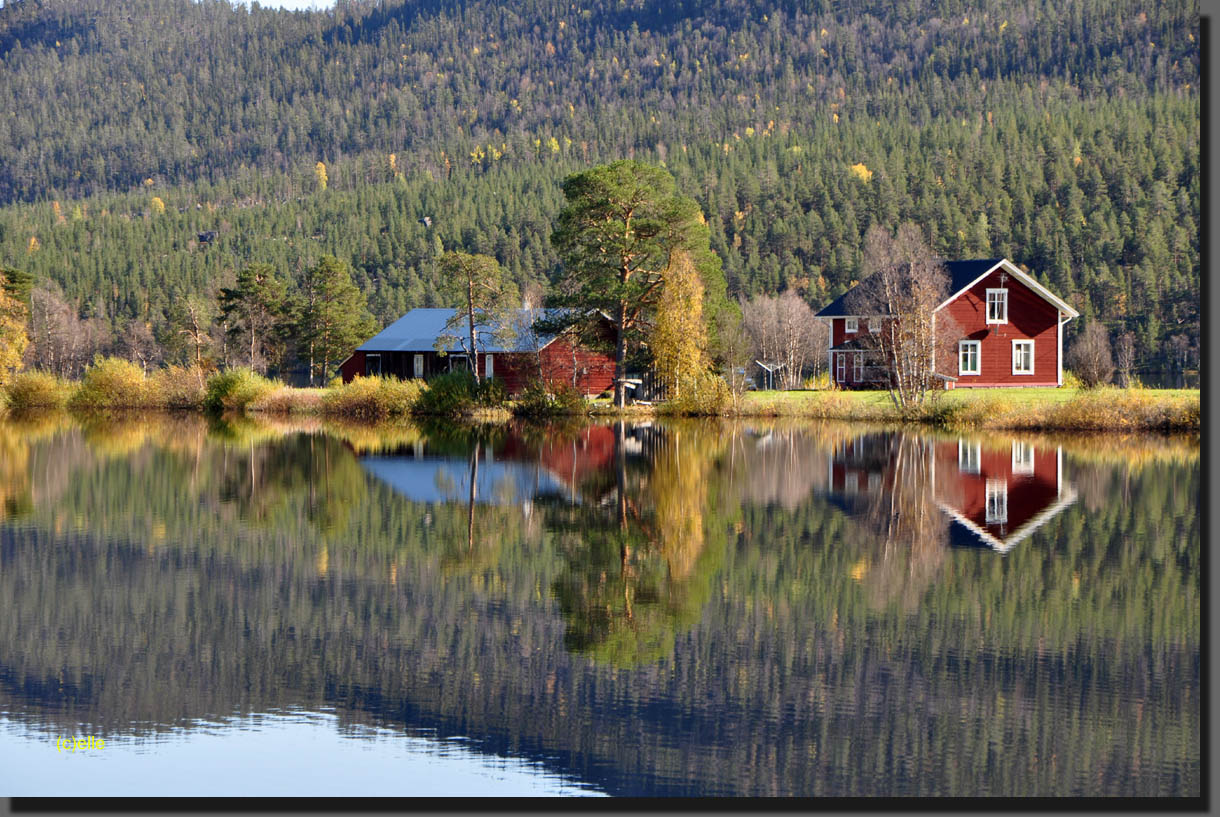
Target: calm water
[{"x": 658, "y": 609}]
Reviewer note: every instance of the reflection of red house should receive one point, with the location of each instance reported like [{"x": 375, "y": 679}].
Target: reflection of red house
[
  {"x": 1008, "y": 329},
  {"x": 572, "y": 460},
  {"x": 1000, "y": 493}
]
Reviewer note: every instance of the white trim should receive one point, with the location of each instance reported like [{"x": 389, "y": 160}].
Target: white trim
[
  {"x": 857, "y": 367},
  {"x": 1023, "y": 278},
  {"x": 851, "y": 325},
  {"x": 1023, "y": 465},
  {"x": 1067, "y": 495},
  {"x": 840, "y": 367},
  {"x": 1059, "y": 340},
  {"x": 976, "y": 448},
  {"x": 488, "y": 367},
  {"x": 418, "y": 365},
  {"x": 978, "y": 358},
  {"x": 1003, "y": 291},
  {"x": 996, "y": 513},
  {"x": 1017, "y": 343}
]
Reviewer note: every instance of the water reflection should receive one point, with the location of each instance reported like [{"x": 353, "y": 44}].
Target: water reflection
[{"x": 675, "y": 608}]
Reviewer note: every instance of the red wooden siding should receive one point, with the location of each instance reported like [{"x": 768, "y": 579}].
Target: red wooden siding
[
  {"x": 1030, "y": 317},
  {"x": 353, "y": 366}
]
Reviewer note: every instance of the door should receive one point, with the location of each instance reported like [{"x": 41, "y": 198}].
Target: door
[{"x": 419, "y": 366}]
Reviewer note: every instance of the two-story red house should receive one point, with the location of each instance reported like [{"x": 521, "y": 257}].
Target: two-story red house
[{"x": 1009, "y": 331}]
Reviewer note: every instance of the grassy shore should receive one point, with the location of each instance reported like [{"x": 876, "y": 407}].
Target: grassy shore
[
  {"x": 1062, "y": 409},
  {"x": 115, "y": 384}
]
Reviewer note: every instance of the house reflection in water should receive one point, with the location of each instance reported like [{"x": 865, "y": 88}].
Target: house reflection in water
[
  {"x": 996, "y": 493},
  {"x": 508, "y": 471},
  {"x": 999, "y": 493}
]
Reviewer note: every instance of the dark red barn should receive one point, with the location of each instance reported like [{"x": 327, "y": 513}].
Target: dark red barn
[
  {"x": 1008, "y": 327},
  {"x": 408, "y": 348}
]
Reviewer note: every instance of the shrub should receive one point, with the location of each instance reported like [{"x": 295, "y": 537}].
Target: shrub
[
  {"x": 557, "y": 400},
  {"x": 704, "y": 396},
  {"x": 1090, "y": 356},
  {"x": 1071, "y": 381},
  {"x": 36, "y": 389},
  {"x": 178, "y": 387},
  {"x": 112, "y": 383},
  {"x": 287, "y": 400},
  {"x": 235, "y": 389},
  {"x": 458, "y": 393},
  {"x": 371, "y": 398}
]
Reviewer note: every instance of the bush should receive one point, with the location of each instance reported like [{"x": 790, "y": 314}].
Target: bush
[
  {"x": 112, "y": 383},
  {"x": 235, "y": 389},
  {"x": 458, "y": 393},
  {"x": 178, "y": 387},
  {"x": 288, "y": 400},
  {"x": 372, "y": 398},
  {"x": 1090, "y": 356},
  {"x": 540, "y": 400},
  {"x": 35, "y": 389},
  {"x": 1071, "y": 381},
  {"x": 704, "y": 396}
]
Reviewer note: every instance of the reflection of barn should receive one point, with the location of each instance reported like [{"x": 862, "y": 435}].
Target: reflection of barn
[
  {"x": 513, "y": 471},
  {"x": 996, "y": 494},
  {"x": 999, "y": 494}
]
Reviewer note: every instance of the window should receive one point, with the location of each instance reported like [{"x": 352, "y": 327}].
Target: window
[
  {"x": 997, "y": 306},
  {"x": 1022, "y": 458},
  {"x": 841, "y": 367},
  {"x": 997, "y": 502},
  {"x": 372, "y": 365},
  {"x": 851, "y": 325},
  {"x": 968, "y": 357},
  {"x": 1022, "y": 357},
  {"x": 969, "y": 455},
  {"x": 419, "y": 365},
  {"x": 488, "y": 365},
  {"x": 874, "y": 325},
  {"x": 857, "y": 367}
]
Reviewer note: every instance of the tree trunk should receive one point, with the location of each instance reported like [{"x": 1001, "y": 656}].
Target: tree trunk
[
  {"x": 620, "y": 356},
  {"x": 474, "y": 352}
]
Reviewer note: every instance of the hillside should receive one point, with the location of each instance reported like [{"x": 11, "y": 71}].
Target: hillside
[{"x": 1065, "y": 136}]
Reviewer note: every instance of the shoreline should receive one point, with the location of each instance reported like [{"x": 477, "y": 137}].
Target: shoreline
[{"x": 115, "y": 387}]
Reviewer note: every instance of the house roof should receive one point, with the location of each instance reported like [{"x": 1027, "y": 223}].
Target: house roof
[
  {"x": 962, "y": 276},
  {"x": 418, "y": 330}
]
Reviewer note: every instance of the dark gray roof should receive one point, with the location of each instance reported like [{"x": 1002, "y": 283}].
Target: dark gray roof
[
  {"x": 418, "y": 330},
  {"x": 961, "y": 275}
]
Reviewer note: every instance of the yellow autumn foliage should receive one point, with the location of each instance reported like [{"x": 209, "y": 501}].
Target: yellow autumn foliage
[{"x": 861, "y": 172}]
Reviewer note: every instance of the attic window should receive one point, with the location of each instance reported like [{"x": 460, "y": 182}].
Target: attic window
[
  {"x": 851, "y": 325},
  {"x": 997, "y": 306},
  {"x": 874, "y": 325}
]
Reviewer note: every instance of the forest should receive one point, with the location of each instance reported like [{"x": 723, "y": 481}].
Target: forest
[{"x": 159, "y": 147}]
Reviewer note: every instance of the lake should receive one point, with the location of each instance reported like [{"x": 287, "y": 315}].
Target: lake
[{"x": 650, "y": 609}]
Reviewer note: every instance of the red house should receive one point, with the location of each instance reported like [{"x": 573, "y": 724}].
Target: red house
[
  {"x": 1009, "y": 330},
  {"x": 408, "y": 348}
]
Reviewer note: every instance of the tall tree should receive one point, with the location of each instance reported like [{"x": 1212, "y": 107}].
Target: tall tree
[
  {"x": 906, "y": 284},
  {"x": 333, "y": 317},
  {"x": 253, "y": 309},
  {"x": 480, "y": 290},
  {"x": 679, "y": 337},
  {"x": 616, "y": 235}
]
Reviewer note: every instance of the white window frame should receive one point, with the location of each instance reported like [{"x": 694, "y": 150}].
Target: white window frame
[
  {"x": 857, "y": 367},
  {"x": 840, "y": 367},
  {"x": 874, "y": 325},
  {"x": 419, "y": 365},
  {"x": 996, "y": 512},
  {"x": 488, "y": 366},
  {"x": 368, "y": 365},
  {"x": 1002, "y": 301},
  {"x": 978, "y": 357},
  {"x": 1017, "y": 344},
  {"x": 972, "y": 464},
  {"x": 1022, "y": 457},
  {"x": 851, "y": 324}
]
